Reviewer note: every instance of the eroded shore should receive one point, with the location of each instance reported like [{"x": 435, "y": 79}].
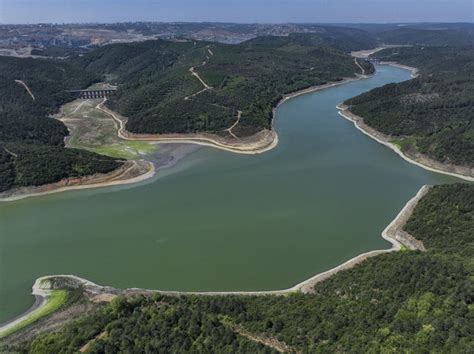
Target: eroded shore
[
  {"x": 413, "y": 157},
  {"x": 258, "y": 143},
  {"x": 132, "y": 171},
  {"x": 43, "y": 286},
  {"x": 418, "y": 159}
]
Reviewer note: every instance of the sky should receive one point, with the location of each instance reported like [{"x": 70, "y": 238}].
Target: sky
[{"x": 241, "y": 11}]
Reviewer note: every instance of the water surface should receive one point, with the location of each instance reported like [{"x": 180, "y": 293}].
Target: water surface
[{"x": 218, "y": 220}]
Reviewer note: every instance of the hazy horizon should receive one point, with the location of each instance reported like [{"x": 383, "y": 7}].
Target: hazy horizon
[{"x": 232, "y": 11}]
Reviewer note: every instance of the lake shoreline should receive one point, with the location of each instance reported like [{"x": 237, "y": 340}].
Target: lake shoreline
[
  {"x": 261, "y": 142},
  {"x": 258, "y": 143},
  {"x": 393, "y": 233},
  {"x": 133, "y": 171},
  {"x": 421, "y": 161}
]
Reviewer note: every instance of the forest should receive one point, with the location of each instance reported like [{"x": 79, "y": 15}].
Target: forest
[
  {"x": 155, "y": 78},
  {"x": 427, "y": 36},
  {"x": 407, "y": 301},
  {"x": 432, "y": 113},
  {"x": 31, "y": 142}
]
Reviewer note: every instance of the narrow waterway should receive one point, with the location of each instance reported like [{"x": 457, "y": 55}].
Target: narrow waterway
[{"x": 218, "y": 220}]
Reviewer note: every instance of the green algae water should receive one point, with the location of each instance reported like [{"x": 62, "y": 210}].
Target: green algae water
[{"x": 218, "y": 220}]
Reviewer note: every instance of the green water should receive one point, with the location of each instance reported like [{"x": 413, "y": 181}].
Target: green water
[{"x": 222, "y": 221}]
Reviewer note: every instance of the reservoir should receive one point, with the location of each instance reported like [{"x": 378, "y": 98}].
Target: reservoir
[{"x": 218, "y": 220}]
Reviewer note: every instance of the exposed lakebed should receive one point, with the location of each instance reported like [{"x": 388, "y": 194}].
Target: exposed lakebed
[{"x": 218, "y": 220}]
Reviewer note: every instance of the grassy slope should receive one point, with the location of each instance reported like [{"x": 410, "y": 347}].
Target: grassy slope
[
  {"x": 55, "y": 300},
  {"x": 399, "y": 302},
  {"x": 93, "y": 130}
]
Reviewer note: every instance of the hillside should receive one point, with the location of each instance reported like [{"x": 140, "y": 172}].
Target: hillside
[
  {"x": 408, "y": 301},
  {"x": 428, "y": 37},
  {"x": 31, "y": 143},
  {"x": 431, "y": 114},
  {"x": 160, "y": 94},
  {"x": 165, "y": 87}
]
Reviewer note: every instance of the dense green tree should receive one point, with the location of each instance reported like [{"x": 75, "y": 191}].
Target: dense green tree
[
  {"x": 31, "y": 143},
  {"x": 252, "y": 77},
  {"x": 434, "y": 111}
]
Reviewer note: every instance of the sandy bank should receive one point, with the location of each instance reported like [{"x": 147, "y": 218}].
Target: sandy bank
[
  {"x": 419, "y": 159},
  {"x": 130, "y": 172},
  {"x": 414, "y": 72}
]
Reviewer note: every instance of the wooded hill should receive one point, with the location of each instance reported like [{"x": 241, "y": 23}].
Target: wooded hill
[
  {"x": 433, "y": 113},
  {"x": 252, "y": 77},
  {"x": 407, "y": 301},
  {"x": 155, "y": 79},
  {"x": 427, "y": 37},
  {"x": 31, "y": 143},
  {"x": 427, "y": 34}
]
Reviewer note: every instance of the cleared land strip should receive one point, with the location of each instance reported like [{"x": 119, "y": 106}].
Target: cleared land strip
[
  {"x": 193, "y": 72},
  {"x": 259, "y": 338},
  {"x": 229, "y": 130},
  {"x": 10, "y": 152},
  {"x": 79, "y": 106},
  {"x": 21, "y": 82},
  {"x": 360, "y": 66}
]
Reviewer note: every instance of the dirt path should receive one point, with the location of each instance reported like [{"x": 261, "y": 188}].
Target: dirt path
[
  {"x": 267, "y": 341},
  {"x": 360, "y": 66},
  {"x": 196, "y": 93},
  {"x": 229, "y": 130},
  {"x": 21, "y": 82},
  {"x": 86, "y": 346},
  {"x": 79, "y": 106},
  {"x": 193, "y": 72},
  {"x": 10, "y": 152},
  {"x": 261, "y": 142}
]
